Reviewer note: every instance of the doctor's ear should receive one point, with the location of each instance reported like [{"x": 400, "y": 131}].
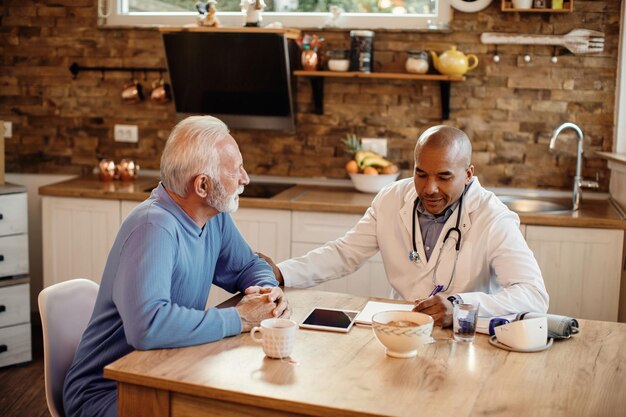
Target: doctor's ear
[{"x": 469, "y": 174}]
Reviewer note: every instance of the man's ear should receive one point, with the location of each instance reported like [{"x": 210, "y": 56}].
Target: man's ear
[
  {"x": 202, "y": 186},
  {"x": 469, "y": 174}
]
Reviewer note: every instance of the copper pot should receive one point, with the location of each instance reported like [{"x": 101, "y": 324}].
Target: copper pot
[
  {"x": 127, "y": 170},
  {"x": 106, "y": 170}
]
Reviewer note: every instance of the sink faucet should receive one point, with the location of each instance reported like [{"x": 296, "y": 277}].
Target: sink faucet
[{"x": 579, "y": 182}]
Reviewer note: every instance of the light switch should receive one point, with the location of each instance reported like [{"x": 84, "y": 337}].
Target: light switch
[{"x": 8, "y": 129}]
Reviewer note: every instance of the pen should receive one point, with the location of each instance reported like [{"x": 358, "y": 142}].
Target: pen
[{"x": 436, "y": 290}]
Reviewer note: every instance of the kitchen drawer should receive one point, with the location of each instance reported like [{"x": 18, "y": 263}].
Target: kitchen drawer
[
  {"x": 13, "y": 214},
  {"x": 14, "y": 305},
  {"x": 15, "y": 344},
  {"x": 320, "y": 227},
  {"x": 13, "y": 255}
]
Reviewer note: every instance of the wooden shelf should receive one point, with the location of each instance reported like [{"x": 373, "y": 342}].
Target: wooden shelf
[
  {"x": 379, "y": 75},
  {"x": 317, "y": 84},
  {"x": 568, "y": 7}
]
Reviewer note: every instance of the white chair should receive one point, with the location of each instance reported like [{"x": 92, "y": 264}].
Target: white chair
[{"x": 65, "y": 310}]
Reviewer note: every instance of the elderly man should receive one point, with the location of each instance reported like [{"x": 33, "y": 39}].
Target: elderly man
[
  {"x": 168, "y": 252},
  {"x": 442, "y": 237}
]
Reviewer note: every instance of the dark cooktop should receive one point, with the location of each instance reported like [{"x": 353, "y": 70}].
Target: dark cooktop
[
  {"x": 264, "y": 189},
  {"x": 257, "y": 189}
]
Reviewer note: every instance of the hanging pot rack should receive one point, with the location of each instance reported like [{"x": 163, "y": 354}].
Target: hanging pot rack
[{"x": 75, "y": 69}]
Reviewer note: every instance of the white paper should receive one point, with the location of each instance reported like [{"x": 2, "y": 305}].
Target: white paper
[{"x": 373, "y": 307}]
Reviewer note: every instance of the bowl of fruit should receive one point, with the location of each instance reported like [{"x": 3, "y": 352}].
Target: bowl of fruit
[{"x": 369, "y": 171}]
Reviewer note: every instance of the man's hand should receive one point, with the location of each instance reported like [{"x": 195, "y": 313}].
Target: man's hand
[
  {"x": 277, "y": 296},
  {"x": 277, "y": 273},
  {"x": 438, "y": 307},
  {"x": 253, "y": 308}
]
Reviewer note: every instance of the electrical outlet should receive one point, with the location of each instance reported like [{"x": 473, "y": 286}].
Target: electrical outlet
[
  {"x": 8, "y": 129},
  {"x": 378, "y": 145},
  {"x": 126, "y": 133}
]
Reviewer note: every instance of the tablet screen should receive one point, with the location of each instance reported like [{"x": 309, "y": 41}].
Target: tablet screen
[{"x": 329, "y": 319}]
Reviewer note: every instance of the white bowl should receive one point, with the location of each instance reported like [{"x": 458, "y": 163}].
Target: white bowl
[
  {"x": 372, "y": 183},
  {"x": 402, "y": 340}
]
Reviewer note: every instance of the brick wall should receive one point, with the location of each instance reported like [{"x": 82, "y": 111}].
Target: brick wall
[{"x": 508, "y": 109}]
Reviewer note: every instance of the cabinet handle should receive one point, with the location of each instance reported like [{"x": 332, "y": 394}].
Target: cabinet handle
[
  {"x": 1, "y": 216},
  {"x": 3, "y": 348},
  {"x": 3, "y": 308},
  {"x": 1, "y": 258}
]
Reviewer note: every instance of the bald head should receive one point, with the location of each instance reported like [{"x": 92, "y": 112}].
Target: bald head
[
  {"x": 443, "y": 168},
  {"x": 454, "y": 141}
]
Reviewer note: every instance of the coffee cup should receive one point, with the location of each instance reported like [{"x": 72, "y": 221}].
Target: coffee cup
[
  {"x": 278, "y": 337},
  {"x": 132, "y": 92}
]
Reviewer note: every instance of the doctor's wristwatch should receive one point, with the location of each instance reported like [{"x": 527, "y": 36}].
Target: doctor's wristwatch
[{"x": 455, "y": 299}]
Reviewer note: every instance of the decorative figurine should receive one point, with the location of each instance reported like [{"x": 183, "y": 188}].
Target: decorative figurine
[
  {"x": 253, "y": 10},
  {"x": 208, "y": 14},
  {"x": 335, "y": 14}
]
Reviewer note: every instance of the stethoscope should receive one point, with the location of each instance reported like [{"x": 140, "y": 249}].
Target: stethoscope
[{"x": 415, "y": 257}]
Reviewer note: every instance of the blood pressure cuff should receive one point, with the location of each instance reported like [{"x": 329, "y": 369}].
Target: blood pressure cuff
[{"x": 559, "y": 327}]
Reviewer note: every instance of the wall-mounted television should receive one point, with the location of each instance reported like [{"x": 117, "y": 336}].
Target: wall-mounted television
[{"x": 242, "y": 78}]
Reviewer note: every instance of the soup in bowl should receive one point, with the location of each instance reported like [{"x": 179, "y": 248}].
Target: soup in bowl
[{"x": 402, "y": 332}]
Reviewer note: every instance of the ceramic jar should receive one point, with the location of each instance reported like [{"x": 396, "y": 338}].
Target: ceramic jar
[{"x": 417, "y": 62}]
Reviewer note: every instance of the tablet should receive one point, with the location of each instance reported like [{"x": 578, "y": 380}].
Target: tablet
[{"x": 330, "y": 319}]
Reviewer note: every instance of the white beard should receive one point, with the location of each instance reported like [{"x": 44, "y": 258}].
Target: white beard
[{"x": 222, "y": 202}]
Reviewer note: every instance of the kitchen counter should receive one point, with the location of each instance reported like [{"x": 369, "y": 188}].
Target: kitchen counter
[{"x": 593, "y": 213}]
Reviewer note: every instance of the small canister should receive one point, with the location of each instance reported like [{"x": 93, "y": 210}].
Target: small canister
[
  {"x": 362, "y": 50},
  {"x": 417, "y": 62},
  {"x": 338, "y": 60}
]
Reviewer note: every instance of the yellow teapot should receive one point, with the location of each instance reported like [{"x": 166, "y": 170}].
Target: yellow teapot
[{"x": 453, "y": 62}]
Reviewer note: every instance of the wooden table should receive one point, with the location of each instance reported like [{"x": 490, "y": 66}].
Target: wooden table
[{"x": 350, "y": 375}]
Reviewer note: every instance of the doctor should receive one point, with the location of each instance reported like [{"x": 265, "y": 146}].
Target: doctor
[{"x": 442, "y": 237}]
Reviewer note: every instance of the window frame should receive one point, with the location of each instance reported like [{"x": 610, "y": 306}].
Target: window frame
[{"x": 439, "y": 21}]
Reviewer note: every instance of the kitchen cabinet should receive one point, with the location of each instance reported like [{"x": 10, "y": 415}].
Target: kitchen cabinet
[
  {"x": 77, "y": 236},
  {"x": 581, "y": 268},
  {"x": 15, "y": 334},
  {"x": 311, "y": 230}
]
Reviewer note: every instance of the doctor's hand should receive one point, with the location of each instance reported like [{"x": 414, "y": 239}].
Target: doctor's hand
[
  {"x": 277, "y": 296},
  {"x": 253, "y": 308},
  {"x": 277, "y": 273},
  {"x": 438, "y": 307}
]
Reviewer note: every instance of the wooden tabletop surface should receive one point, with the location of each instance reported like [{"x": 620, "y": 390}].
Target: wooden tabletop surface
[
  {"x": 592, "y": 213},
  {"x": 334, "y": 374}
]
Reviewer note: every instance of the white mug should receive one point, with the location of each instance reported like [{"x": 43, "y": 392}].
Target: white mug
[{"x": 277, "y": 336}]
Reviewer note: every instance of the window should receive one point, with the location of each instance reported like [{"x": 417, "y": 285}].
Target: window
[{"x": 361, "y": 14}]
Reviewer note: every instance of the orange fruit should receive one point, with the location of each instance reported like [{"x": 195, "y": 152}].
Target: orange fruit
[
  {"x": 391, "y": 169},
  {"x": 352, "y": 167},
  {"x": 370, "y": 171}
]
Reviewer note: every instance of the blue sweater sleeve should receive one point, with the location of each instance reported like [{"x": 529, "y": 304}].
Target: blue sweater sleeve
[
  {"x": 238, "y": 267},
  {"x": 142, "y": 295}
]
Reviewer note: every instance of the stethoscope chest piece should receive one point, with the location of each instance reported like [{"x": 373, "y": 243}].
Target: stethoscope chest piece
[{"x": 414, "y": 257}]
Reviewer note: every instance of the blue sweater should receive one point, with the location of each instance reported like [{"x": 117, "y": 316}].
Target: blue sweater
[{"x": 153, "y": 293}]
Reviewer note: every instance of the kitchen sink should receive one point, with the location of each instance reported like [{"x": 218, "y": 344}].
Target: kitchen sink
[{"x": 533, "y": 205}]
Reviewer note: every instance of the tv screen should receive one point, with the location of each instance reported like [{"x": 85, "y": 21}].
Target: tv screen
[{"x": 242, "y": 78}]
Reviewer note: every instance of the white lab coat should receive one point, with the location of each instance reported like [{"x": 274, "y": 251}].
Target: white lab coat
[{"x": 495, "y": 266}]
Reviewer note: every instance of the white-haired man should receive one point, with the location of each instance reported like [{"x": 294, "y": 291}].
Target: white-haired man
[{"x": 168, "y": 252}]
